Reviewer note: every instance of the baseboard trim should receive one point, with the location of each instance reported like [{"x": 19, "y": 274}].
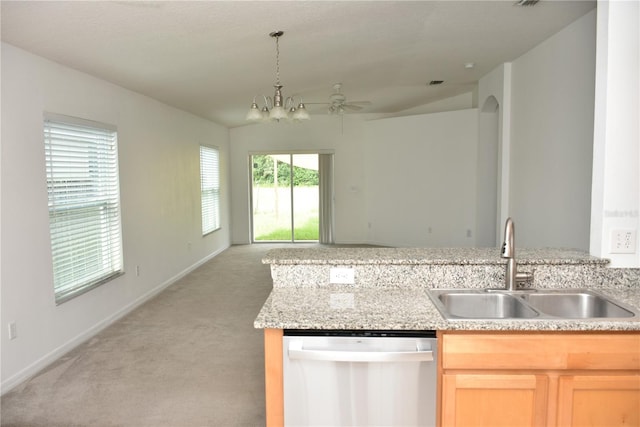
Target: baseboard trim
[{"x": 31, "y": 370}]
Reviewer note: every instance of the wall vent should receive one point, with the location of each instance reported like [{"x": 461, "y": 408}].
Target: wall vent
[
  {"x": 526, "y": 2},
  {"x": 435, "y": 82}
]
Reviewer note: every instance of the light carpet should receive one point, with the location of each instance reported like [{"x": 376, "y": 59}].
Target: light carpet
[{"x": 188, "y": 357}]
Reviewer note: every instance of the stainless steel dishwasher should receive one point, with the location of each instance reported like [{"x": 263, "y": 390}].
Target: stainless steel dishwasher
[{"x": 359, "y": 378}]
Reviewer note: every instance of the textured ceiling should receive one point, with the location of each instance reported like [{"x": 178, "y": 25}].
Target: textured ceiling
[{"x": 212, "y": 57}]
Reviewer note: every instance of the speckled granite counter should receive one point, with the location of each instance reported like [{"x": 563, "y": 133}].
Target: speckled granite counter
[
  {"x": 390, "y": 290},
  {"x": 424, "y": 256}
]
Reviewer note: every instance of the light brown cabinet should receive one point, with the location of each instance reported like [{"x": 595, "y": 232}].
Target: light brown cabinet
[
  {"x": 599, "y": 400},
  {"x": 540, "y": 379},
  {"x": 274, "y": 386},
  {"x": 484, "y": 399}
]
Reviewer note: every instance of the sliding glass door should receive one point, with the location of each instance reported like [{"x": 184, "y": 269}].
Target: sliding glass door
[{"x": 285, "y": 197}]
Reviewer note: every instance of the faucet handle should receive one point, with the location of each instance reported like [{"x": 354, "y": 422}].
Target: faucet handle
[{"x": 524, "y": 277}]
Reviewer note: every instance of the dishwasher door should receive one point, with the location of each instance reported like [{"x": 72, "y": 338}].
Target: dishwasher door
[{"x": 369, "y": 380}]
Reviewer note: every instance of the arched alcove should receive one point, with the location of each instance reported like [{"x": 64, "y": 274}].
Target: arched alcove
[{"x": 490, "y": 105}]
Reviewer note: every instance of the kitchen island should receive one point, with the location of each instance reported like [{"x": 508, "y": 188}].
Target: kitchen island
[{"x": 389, "y": 292}]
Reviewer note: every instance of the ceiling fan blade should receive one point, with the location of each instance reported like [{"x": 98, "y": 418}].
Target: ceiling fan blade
[{"x": 352, "y": 107}]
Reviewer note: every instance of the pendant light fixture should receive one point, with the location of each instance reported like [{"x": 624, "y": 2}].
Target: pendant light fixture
[{"x": 278, "y": 108}]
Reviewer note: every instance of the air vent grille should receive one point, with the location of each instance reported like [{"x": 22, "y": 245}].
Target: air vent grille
[
  {"x": 435, "y": 82},
  {"x": 526, "y": 2}
]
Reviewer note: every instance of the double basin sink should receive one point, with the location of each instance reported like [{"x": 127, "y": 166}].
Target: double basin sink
[{"x": 465, "y": 304}]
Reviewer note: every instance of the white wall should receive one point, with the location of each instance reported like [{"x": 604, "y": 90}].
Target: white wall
[
  {"x": 160, "y": 186},
  {"x": 552, "y": 138},
  {"x": 616, "y": 177},
  {"x": 487, "y": 182},
  {"x": 421, "y": 179},
  {"x": 454, "y": 103},
  {"x": 343, "y": 136},
  {"x": 497, "y": 85},
  {"x": 546, "y": 99},
  {"x": 407, "y": 155}
]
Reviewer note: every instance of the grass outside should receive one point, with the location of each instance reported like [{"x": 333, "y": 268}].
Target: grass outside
[
  {"x": 269, "y": 228},
  {"x": 272, "y": 214}
]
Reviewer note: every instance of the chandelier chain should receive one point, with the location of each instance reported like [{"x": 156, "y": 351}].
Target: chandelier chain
[
  {"x": 278, "y": 107},
  {"x": 277, "y": 61}
]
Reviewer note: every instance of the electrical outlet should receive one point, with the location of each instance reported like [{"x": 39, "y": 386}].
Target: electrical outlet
[
  {"x": 341, "y": 301},
  {"x": 343, "y": 276},
  {"x": 13, "y": 331},
  {"x": 623, "y": 241}
]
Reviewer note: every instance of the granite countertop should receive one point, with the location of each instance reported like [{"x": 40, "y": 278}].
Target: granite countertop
[
  {"x": 303, "y": 298},
  {"x": 425, "y": 256},
  {"x": 345, "y": 307}
]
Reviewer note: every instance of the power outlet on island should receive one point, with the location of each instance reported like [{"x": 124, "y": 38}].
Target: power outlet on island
[
  {"x": 342, "y": 276},
  {"x": 623, "y": 241}
]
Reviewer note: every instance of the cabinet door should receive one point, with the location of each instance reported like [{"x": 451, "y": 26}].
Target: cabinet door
[
  {"x": 599, "y": 400},
  {"x": 494, "y": 400}
]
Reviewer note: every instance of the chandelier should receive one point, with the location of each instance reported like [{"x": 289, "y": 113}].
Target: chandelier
[{"x": 278, "y": 108}]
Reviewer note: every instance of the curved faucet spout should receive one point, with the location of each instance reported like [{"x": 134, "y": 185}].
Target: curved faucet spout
[
  {"x": 512, "y": 277},
  {"x": 508, "y": 247}
]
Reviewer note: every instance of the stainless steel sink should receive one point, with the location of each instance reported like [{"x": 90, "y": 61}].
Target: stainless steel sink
[
  {"x": 576, "y": 305},
  {"x": 461, "y": 304}
]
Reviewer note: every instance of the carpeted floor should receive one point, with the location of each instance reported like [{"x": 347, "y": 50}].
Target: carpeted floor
[{"x": 189, "y": 357}]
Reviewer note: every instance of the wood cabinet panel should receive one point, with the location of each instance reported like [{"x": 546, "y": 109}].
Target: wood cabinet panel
[
  {"x": 599, "y": 400},
  {"x": 274, "y": 386},
  {"x": 541, "y": 351},
  {"x": 542, "y": 379},
  {"x": 494, "y": 400}
]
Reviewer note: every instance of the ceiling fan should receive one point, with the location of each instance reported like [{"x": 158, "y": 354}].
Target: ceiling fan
[{"x": 338, "y": 102}]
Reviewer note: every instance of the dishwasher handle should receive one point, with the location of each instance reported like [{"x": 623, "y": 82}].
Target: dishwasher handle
[{"x": 297, "y": 352}]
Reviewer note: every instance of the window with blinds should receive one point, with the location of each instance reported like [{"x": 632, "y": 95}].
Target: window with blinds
[
  {"x": 210, "y": 188},
  {"x": 84, "y": 204}
]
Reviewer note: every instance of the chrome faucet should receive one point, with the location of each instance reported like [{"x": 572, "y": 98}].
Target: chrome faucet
[{"x": 512, "y": 276}]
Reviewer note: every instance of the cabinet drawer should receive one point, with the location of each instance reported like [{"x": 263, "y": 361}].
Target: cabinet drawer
[{"x": 541, "y": 351}]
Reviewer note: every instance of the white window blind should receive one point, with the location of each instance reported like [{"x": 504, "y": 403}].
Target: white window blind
[
  {"x": 210, "y": 188},
  {"x": 84, "y": 204}
]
